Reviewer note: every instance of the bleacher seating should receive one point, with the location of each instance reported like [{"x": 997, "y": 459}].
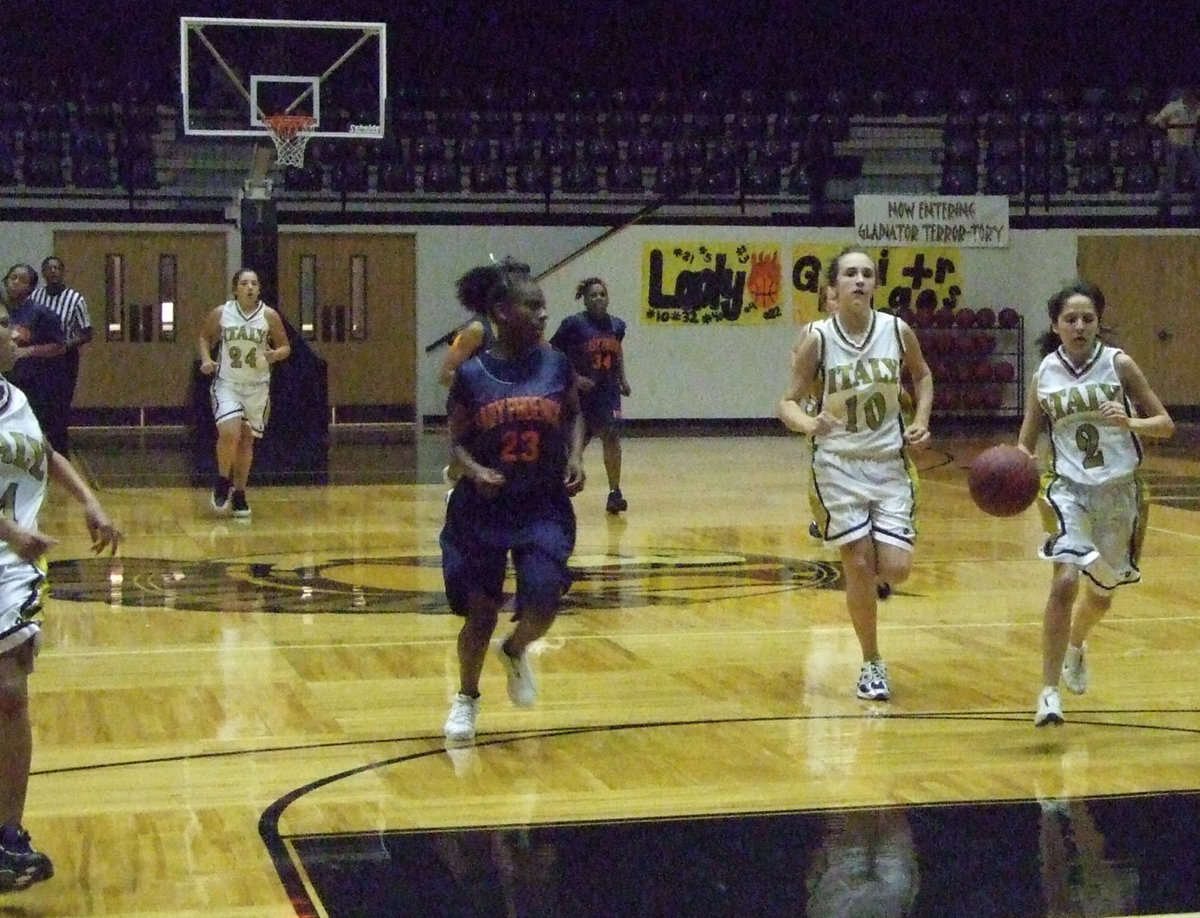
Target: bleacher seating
[{"x": 1049, "y": 147}]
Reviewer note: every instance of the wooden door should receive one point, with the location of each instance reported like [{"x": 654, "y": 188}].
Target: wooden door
[
  {"x": 136, "y": 360},
  {"x": 1150, "y": 284},
  {"x": 353, "y": 295}
]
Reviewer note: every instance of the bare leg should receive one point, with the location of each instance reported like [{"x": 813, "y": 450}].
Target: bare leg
[
  {"x": 533, "y": 624},
  {"x": 228, "y": 439},
  {"x": 473, "y": 640},
  {"x": 16, "y": 735},
  {"x": 243, "y": 457},
  {"x": 858, "y": 567},
  {"x": 610, "y": 438},
  {"x": 1056, "y": 621},
  {"x": 892, "y": 564},
  {"x": 1090, "y": 608}
]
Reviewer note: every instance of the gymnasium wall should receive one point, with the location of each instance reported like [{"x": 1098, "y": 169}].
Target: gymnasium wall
[{"x": 722, "y": 371}]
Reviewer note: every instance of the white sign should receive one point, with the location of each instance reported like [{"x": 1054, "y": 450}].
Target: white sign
[{"x": 968, "y": 221}]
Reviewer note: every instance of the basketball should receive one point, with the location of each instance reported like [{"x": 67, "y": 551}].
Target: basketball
[{"x": 1003, "y": 481}]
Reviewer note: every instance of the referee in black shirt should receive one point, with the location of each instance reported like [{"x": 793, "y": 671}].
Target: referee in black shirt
[{"x": 71, "y": 309}]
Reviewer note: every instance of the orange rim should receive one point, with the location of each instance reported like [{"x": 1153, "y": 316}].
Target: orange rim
[{"x": 289, "y": 125}]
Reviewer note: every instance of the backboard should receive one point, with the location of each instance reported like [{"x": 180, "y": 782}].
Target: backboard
[{"x": 234, "y": 72}]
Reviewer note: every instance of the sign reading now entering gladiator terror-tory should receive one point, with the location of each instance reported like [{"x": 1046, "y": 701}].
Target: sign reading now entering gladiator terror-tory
[{"x": 965, "y": 221}]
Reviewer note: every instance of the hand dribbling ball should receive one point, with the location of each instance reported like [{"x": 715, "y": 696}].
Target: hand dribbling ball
[{"x": 1003, "y": 481}]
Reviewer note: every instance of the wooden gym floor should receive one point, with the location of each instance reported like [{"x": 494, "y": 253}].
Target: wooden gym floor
[{"x": 244, "y": 719}]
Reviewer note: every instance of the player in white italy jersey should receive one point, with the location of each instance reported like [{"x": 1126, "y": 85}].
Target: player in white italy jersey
[
  {"x": 250, "y": 337},
  {"x": 27, "y": 462},
  {"x": 1095, "y": 402}
]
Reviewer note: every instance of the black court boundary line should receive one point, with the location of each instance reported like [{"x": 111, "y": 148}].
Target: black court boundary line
[
  {"x": 292, "y": 877},
  {"x": 1013, "y": 716}
]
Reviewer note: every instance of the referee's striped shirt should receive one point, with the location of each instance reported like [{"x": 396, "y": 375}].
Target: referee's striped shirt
[{"x": 71, "y": 309}]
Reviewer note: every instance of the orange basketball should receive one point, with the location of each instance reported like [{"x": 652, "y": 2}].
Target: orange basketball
[{"x": 1003, "y": 481}]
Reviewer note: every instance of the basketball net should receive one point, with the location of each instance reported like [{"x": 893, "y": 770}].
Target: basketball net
[{"x": 291, "y": 134}]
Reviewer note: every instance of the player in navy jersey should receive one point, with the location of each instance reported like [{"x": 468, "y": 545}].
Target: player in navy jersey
[
  {"x": 1096, "y": 404},
  {"x": 517, "y": 435},
  {"x": 27, "y": 462},
  {"x": 476, "y": 336},
  {"x": 592, "y": 339}
]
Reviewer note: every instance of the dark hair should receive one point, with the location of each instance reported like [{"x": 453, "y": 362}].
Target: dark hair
[
  {"x": 50, "y": 258},
  {"x": 1048, "y": 343},
  {"x": 237, "y": 275},
  {"x": 486, "y": 286},
  {"x": 831, "y": 272},
  {"x": 582, "y": 287},
  {"x": 823, "y": 298},
  {"x": 33, "y": 275}
]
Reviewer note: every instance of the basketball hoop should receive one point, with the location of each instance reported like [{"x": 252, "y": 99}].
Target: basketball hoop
[{"x": 291, "y": 134}]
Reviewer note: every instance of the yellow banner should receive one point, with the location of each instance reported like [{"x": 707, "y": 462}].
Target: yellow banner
[
  {"x": 699, "y": 283},
  {"x": 920, "y": 277}
]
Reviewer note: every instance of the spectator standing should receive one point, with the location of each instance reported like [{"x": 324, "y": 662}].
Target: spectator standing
[
  {"x": 1179, "y": 118},
  {"x": 40, "y": 367},
  {"x": 72, "y": 311}
]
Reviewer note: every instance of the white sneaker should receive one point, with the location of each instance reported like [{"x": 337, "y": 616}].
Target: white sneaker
[
  {"x": 1049, "y": 708},
  {"x": 873, "y": 681},
  {"x": 522, "y": 688},
  {"x": 1075, "y": 671},
  {"x": 460, "y": 725}
]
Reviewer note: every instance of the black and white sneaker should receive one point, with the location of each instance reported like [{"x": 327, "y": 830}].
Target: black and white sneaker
[
  {"x": 1049, "y": 708},
  {"x": 873, "y": 681},
  {"x": 20, "y": 865},
  {"x": 241, "y": 509},
  {"x": 616, "y": 502},
  {"x": 220, "y": 494}
]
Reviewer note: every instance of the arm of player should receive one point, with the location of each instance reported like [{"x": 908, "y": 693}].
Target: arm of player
[
  {"x": 1154, "y": 420},
  {"x": 279, "y": 348},
  {"x": 208, "y": 340},
  {"x": 487, "y": 480},
  {"x": 1031, "y": 421},
  {"x": 574, "y": 476},
  {"x": 465, "y": 343},
  {"x": 791, "y": 406},
  {"x": 29, "y": 544},
  {"x": 917, "y": 433},
  {"x": 100, "y": 527}
]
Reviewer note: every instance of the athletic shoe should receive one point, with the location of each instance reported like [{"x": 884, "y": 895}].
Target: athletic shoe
[
  {"x": 20, "y": 865},
  {"x": 814, "y": 531},
  {"x": 220, "y": 494},
  {"x": 873, "y": 681},
  {"x": 1075, "y": 671},
  {"x": 1049, "y": 708},
  {"x": 883, "y": 590},
  {"x": 241, "y": 509},
  {"x": 460, "y": 724},
  {"x": 616, "y": 502},
  {"x": 522, "y": 688}
]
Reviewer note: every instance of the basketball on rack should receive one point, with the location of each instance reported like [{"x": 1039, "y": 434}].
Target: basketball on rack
[{"x": 1003, "y": 481}]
